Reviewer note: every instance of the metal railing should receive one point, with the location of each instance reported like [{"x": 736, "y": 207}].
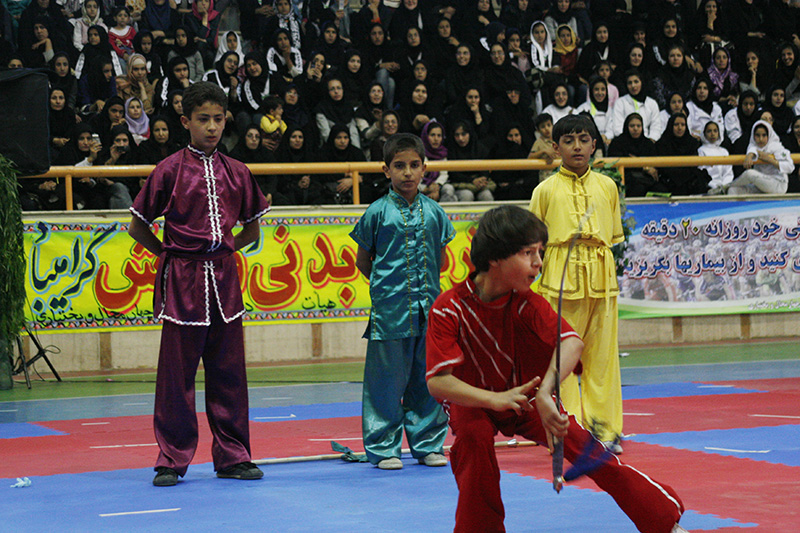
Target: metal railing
[{"x": 374, "y": 167}]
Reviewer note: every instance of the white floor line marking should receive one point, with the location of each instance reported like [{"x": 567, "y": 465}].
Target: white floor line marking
[
  {"x": 735, "y": 451},
  {"x": 638, "y": 414},
  {"x": 715, "y": 386},
  {"x": 278, "y": 398},
  {"x": 104, "y": 515},
  {"x": 8, "y": 410},
  {"x": 142, "y": 403},
  {"x": 95, "y": 423},
  {"x": 274, "y": 417},
  {"x": 775, "y": 416},
  {"x": 334, "y": 438},
  {"x": 122, "y": 446}
]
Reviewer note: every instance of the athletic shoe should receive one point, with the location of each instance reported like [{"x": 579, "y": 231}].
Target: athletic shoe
[
  {"x": 613, "y": 446},
  {"x": 433, "y": 459},
  {"x": 392, "y": 463},
  {"x": 241, "y": 471},
  {"x": 165, "y": 477},
  {"x": 678, "y": 529}
]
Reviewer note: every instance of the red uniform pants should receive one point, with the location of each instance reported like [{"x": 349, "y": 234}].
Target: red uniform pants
[
  {"x": 653, "y": 507},
  {"x": 221, "y": 346}
]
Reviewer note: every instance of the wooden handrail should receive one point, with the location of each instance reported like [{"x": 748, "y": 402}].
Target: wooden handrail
[{"x": 375, "y": 167}]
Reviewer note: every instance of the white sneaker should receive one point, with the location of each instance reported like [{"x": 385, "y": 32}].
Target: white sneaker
[
  {"x": 392, "y": 463},
  {"x": 678, "y": 529},
  {"x": 613, "y": 446},
  {"x": 433, "y": 459}
]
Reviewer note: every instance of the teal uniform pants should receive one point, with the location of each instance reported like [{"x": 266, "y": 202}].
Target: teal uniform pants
[{"x": 396, "y": 397}]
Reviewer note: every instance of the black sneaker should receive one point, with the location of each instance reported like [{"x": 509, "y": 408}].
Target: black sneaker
[
  {"x": 165, "y": 477},
  {"x": 241, "y": 471}
]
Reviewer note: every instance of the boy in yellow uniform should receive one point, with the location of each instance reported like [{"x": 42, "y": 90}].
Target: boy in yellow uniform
[{"x": 590, "y": 287}]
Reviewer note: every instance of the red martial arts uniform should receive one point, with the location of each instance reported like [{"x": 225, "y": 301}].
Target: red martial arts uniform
[
  {"x": 198, "y": 296},
  {"x": 497, "y": 346}
]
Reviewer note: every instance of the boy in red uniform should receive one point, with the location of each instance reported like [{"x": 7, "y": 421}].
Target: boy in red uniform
[
  {"x": 201, "y": 194},
  {"x": 490, "y": 343}
]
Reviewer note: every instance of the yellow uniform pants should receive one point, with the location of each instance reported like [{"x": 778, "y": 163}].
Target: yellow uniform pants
[{"x": 597, "y": 402}]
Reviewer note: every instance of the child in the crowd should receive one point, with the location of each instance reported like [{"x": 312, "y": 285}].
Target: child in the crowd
[
  {"x": 405, "y": 228},
  {"x": 272, "y": 125},
  {"x": 543, "y": 147},
  {"x": 769, "y": 178},
  {"x": 121, "y": 35},
  {"x": 434, "y": 184},
  {"x": 201, "y": 194},
  {"x": 676, "y": 105},
  {"x": 590, "y": 289},
  {"x": 90, "y": 16},
  {"x": 491, "y": 342},
  {"x": 721, "y": 175}
]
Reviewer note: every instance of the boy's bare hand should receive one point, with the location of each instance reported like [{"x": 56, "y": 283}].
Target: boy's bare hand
[
  {"x": 516, "y": 399},
  {"x": 554, "y": 422}
]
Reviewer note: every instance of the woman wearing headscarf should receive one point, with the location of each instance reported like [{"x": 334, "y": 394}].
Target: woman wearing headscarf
[
  {"x": 756, "y": 75},
  {"x": 598, "y": 49},
  {"x": 417, "y": 110},
  {"x": 519, "y": 55},
  {"x": 565, "y": 55},
  {"x": 252, "y": 91},
  {"x": 159, "y": 146},
  {"x": 509, "y": 109},
  {"x": 434, "y": 183},
  {"x": 334, "y": 109},
  {"x": 513, "y": 184},
  {"x": 138, "y": 122},
  {"x": 250, "y": 150},
  {"x": 96, "y": 86},
  {"x": 636, "y": 101},
  {"x": 204, "y": 24},
  {"x": 97, "y": 46},
  {"x": 546, "y": 73},
  {"x": 712, "y": 30},
  {"x": 702, "y": 108},
  {"x": 677, "y": 140},
  {"x": 787, "y": 73},
  {"x": 597, "y": 106},
  {"x": 231, "y": 42},
  {"x": 90, "y": 16},
  {"x": 560, "y": 13},
  {"x": 475, "y": 185},
  {"x": 408, "y": 52},
  {"x": 369, "y": 114},
  {"x": 186, "y": 47},
  {"x": 354, "y": 77},
  {"x": 61, "y": 77},
  {"x": 159, "y": 19},
  {"x": 775, "y": 103},
  {"x": 501, "y": 76},
  {"x": 633, "y": 143},
  {"x": 635, "y": 58},
  {"x": 724, "y": 81},
  {"x": 298, "y": 189},
  {"x": 772, "y": 177},
  {"x": 442, "y": 46},
  {"x": 143, "y": 44},
  {"x": 740, "y": 120},
  {"x": 111, "y": 115},
  {"x": 409, "y": 14},
  {"x": 465, "y": 74},
  {"x": 379, "y": 58},
  {"x": 45, "y": 44},
  {"x": 286, "y": 19},
  {"x": 135, "y": 83},
  {"x": 475, "y": 111},
  {"x": 339, "y": 149},
  {"x": 118, "y": 193},
  {"x": 176, "y": 78},
  {"x": 283, "y": 59},
  {"x": 173, "y": 111},
  {"x": 225, "y": 74},
  {"x": 330, "y": 45},
  {"x": 674, "y": 76}
]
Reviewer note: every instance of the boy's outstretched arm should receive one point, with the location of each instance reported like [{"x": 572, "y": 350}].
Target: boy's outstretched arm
[
  {"x": 141, "y": 233},
  {"x": 250, "y": 233},
  {"x": 445, "y": 386}
]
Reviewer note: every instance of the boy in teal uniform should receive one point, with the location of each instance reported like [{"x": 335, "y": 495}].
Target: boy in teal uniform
[{"x": 401, "y": 245}]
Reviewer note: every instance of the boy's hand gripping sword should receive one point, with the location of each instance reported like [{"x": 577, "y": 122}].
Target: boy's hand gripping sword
[{"x": 558, "y": 444}]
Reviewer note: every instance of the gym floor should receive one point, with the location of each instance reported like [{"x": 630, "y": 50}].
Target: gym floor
[{"x": 720, "y": 423}]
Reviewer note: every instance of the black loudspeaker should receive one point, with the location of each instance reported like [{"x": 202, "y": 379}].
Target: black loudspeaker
[{"x": 24, "y": 128}]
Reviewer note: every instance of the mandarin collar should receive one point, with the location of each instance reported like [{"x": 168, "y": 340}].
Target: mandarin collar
[
  {"x": 402, "y": 202},
  {"x": 573, "y": 176},
  {"x": 199, "y": 153}
]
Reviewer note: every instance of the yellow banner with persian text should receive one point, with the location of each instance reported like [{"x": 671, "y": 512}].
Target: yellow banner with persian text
[{"x": 86, "y": 273}]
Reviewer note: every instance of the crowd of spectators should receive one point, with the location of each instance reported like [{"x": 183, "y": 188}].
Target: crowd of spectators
[{"x": 327, "y": 80}]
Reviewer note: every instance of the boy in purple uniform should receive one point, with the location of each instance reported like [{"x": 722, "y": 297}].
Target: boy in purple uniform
[{"x": 201, "y": 194}]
